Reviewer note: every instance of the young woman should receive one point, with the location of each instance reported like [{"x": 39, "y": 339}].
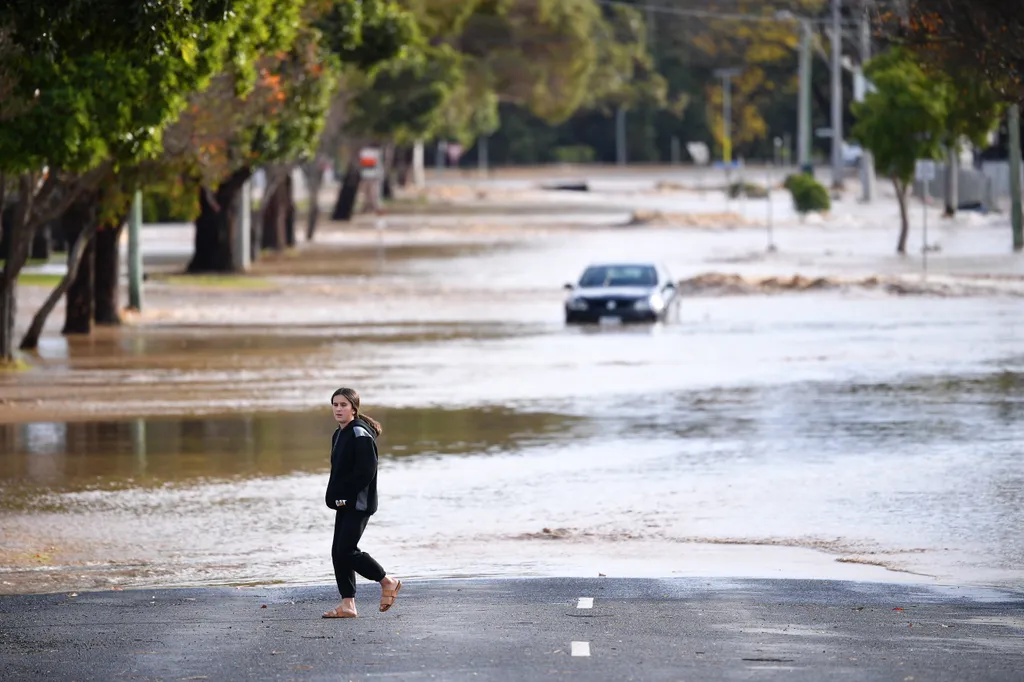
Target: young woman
[{"x": 352, "y": 493}]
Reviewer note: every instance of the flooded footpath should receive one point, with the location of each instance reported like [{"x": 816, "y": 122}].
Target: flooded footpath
[{"x": 865, "y": 427}]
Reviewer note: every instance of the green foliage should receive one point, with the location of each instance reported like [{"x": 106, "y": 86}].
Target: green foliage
[
  {"x": 175, "y": 201},
  {"x": 752, "y": 191},
  {"x": 904, "y": 118},
  {"x": 365, "y": 33},
  {"x": 403, "y": 98},
  {"x": 101, "y": 82},
  {"x": 574, "y": 154},
  {"x": 973, "y": 108},
  {"x": 809, "y": 195}
]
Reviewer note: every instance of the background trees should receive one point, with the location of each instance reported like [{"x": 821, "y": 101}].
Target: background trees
[{"x": 91, "y": 86}]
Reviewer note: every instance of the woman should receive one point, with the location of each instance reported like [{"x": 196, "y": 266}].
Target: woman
[{"x": 352, "y": 493}]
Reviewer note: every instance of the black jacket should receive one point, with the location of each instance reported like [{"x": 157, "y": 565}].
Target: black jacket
[{"x": 353, "y": 468}]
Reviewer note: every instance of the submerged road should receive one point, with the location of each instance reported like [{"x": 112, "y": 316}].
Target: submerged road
[{"x": 542, "y": 629}]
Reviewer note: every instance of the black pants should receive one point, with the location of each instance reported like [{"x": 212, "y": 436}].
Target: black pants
[{"x": 348, "y": 559}]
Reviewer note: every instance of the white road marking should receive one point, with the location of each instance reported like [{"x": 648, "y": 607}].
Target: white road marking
[
  {"x": 585, "y": 603},
  {"x": 581, "y": 648}
]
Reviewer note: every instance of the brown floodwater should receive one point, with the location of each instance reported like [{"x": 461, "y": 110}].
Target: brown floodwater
[{"x": 834, "y": 432}]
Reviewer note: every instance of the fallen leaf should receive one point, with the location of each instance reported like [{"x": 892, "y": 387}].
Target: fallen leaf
[
  {"x": 264, "y": 606},
  {"x": 898, "y": 608}
]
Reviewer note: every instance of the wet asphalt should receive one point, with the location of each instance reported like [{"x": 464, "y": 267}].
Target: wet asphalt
[{"x": 514, "y": 629}]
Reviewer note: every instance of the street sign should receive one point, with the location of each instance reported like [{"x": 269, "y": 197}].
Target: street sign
[
  {"x": 369, "y": 162},
  {"x": 924, "y": 170}
]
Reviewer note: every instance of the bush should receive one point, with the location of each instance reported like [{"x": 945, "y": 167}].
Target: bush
[
  {"x": 808, "y": 194},
  {"x": 175, "y": 201},
  {"x": 575, "y": 154},
  {"x": 747, "y": 189}
]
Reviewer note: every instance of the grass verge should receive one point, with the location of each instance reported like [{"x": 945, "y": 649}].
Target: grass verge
[{"x": 234, "y": 282}]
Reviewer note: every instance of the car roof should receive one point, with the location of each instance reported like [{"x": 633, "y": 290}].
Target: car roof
[{"x": 623, "y": 265}]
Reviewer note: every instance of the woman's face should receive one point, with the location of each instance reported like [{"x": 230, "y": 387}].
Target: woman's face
[{"x": 343, "y": 410}]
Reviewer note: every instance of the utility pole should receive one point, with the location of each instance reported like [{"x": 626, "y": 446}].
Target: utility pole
[
  {"x": 803, "y": 141},
  {"x": 620, "y": 135},
  {"x": 867, "y": 159},
  {"x": 1013, "y": 124},
  {"x": 726, "y": 76},
  {"x": 837, "y": 95}
]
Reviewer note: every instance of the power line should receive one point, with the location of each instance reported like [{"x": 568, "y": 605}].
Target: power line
[{"x": 781, "y": 16}]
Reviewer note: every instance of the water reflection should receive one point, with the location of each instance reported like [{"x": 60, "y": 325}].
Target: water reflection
[
  {"x": 921, "y": 475},
  {"x": 71, "y": 456}
]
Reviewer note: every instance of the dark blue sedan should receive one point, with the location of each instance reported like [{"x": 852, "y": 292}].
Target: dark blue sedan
[{"x": 615, "y": 293}]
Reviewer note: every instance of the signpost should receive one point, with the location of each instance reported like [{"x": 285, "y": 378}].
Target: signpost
[
  {"x": 135, "y": 253},
  {"x": 924, "y": 171}
]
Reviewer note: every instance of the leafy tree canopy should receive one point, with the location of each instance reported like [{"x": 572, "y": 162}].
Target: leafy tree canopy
[{"x": 95, "y": 86}]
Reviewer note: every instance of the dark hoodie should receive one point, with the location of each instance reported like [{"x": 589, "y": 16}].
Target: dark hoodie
[{"x": 353, "y": 468}]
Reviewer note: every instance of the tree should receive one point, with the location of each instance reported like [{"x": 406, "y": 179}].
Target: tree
[
  {"x": 95, "y": 84},
  {"x": 977, "y": 39},
  {"x": 89, "y": 84},
  {"x": 973, "y": 110},
  {"x": 904, "y": 119}
]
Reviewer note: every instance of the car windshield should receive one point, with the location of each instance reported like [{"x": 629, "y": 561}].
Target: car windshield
[{"x": 619, "y": 276}]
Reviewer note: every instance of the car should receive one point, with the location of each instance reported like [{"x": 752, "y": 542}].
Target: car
[
  {"x": 620, "y": 292},
  {"x": 851, "y": 154}
]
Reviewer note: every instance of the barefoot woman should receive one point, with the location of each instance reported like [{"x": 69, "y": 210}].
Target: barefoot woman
[{"x": 352, "y": 493}]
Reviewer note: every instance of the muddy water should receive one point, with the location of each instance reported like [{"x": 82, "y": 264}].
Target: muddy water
[
  {"x": 829, "y": 434},
  {"x": 922, "y": 476}
]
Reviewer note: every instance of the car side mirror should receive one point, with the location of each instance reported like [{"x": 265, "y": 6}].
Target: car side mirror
[
  {"x": 670, "y": 285},
  {"x": 568, "y": 287}
]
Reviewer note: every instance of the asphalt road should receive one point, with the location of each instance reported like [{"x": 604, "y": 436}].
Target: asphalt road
[{"x": 541, "y": 629}]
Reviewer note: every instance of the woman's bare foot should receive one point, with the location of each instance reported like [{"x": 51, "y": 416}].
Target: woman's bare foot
[
  {"x": 389, "y": 588},
  {"x": 346, "y": 609}
]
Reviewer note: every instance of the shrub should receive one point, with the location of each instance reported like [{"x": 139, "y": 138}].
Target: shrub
[
  {"x": 808, "y": 194},
  {"x": 574, "y": 154},
  {"x": 747, "y": 189}
]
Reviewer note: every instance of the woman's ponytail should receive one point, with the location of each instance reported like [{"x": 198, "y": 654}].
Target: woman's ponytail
[{"x": 373, "y": 423}]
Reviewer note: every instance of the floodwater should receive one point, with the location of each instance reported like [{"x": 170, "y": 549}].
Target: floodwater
[{"x": 841, "y": 433}]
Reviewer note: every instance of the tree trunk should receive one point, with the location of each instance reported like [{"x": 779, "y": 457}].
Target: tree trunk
[
  {"x": 314, "y": 177},
  {"x": 6, "y": 226},
  {"x": 31, "y": 339},
  {"x": 272, "y": 216},
  {"x": 215, "y": 234},
  {"x": 901, "y": 196},
  {"x": 8, "y": 298},
  {"x": 288, "y": 199},
  {"x": 42, "y": 243},
  {"x": 15, "y": 253},
  {"x": 108, "y": 273},
  {"x": 402, "y": 166},
  {"x": 346, "y": 204},
  {"x": 952, "y": 181},
  {"x": 387, "y": 166},
  {"x": 80, "y": 220}
]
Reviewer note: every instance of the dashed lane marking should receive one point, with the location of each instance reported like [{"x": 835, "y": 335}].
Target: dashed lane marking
[{"x": 581, "y": 648}]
